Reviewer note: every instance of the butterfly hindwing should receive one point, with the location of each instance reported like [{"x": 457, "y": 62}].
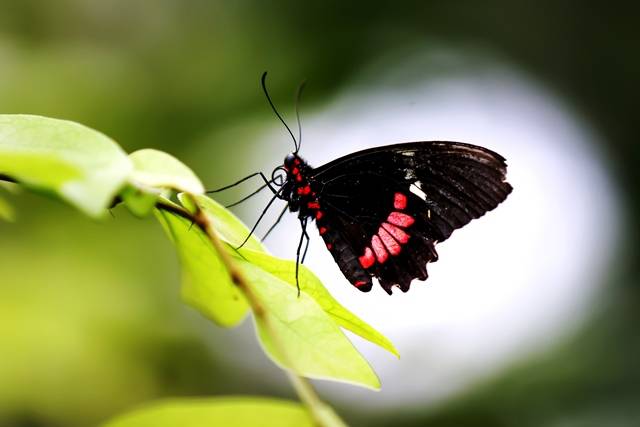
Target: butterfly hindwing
[{"x": 386, "y": 208}]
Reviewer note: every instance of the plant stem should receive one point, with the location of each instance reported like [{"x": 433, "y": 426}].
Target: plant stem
[{"x": 302, "y": 386}]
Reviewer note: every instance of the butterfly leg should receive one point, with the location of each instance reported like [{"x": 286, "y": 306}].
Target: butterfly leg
[
  {"x": 273, "y": 199},
  {"x": 264, "y": 178},
  {"x": 303, "y": 224},
  {"x": 262, "y": 187},
  {"x": 275, "y": 223},
  {"x": 306, "y": 247}
]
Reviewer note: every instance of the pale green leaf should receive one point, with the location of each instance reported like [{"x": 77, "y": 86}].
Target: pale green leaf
[
  {"x": 140, "y": 202},
  {"x": 311, "y": 285},
  {"x": 157, "y": 169},
  {"x": 80, "y": 165},
  {"x": 7, "y": 212},
  {"x": 226, "y": 224},
  {"x": 218, "y": 412},
  {"x": 297, "y": 333},
  {"x": 234, "y": 231},
  {"x": 206, "y": 284}
]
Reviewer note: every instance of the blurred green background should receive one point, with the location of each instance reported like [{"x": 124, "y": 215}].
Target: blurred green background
[{"x": 90, "y": 319}]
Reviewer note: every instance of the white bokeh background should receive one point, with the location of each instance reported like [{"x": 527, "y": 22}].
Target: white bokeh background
[{"x": 509, "y": 284}]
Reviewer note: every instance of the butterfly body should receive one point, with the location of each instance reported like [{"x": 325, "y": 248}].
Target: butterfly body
[{"x": 381, "y": 211}]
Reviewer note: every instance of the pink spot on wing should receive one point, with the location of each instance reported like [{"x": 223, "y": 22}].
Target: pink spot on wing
[
  {"x": 379, "y": 249},
  {"x": 396, "y": 232},
  {"x": 367, "y": 260},
  {"x": 399, "y": 201},
  {"x": 392, "y": 246},
  {"x": 400, "y": 219}
]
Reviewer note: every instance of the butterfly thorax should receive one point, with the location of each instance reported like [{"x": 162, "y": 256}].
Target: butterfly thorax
[{"x": 299, "y": 189}]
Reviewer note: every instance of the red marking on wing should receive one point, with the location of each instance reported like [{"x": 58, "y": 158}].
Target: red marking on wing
[
  {"x": 400, "y": 219},
  {"x": 360, "y": 283},
  {"x": 392, "y": 246},
  {"x": 299, "y": 178},
  {"x": 367, "y": 260},
  {"x": 313, "y": 205},
  {"x": 329, "y": 246},
  {"x": 322, "y": 230},
  {"x": 304, "y": 190},
  {"x": 379, "y": 249},
  {"x": 396, "y": 232},
  {"x": 319, "y": 214},
  {"x": 295, "y": 171},
  {"x": 399, "y": 201}
]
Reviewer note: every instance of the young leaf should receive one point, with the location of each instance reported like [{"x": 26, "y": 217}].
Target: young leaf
[
  {"x": 226, "y": 224},
  {"x": 205, "y": 281},
  {"x": 220, "y": 411},
  {"x": 157, "y": 169},
  {"x": 234, "y": 231},
  {"x": 311, "y": 285},
  {"x": 78, "y": 164},
  {"x": 297, "y": 333}
]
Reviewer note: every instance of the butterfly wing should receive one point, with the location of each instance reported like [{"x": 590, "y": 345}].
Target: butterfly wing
[{"x": 385, "y": 208}]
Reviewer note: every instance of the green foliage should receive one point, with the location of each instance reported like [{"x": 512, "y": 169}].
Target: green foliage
[
  {"x": 6, "y": 211},
  {"x": 206, "y": 285},
  {"x": 300, "y": 332},
  {"x": 228, "y": 412},
  {"x": 78, "y": 164}
]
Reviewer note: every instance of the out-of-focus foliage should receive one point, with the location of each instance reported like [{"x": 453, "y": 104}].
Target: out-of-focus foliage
[
  {"x": 81, "y": 165},
  {"x": 231, "y": 412}
]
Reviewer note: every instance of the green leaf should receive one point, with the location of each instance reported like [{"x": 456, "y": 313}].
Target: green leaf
[
  {"x": 297, "y": 333},
  {"x": 80, "y": 165},
  {"x": 220, "y": 411},
  {"x": 206, "y": 284},
  {"x": 6, "y": 211},
  {"x": 311, "y": 285},
  {"x": 234, "y": 231},
  {"x": 140, "y": 202},
  {"x": 226, "y": 224},
  {"x": 157, "y": 169}
]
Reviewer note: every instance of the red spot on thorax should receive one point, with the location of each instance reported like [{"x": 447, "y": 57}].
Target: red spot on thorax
[
  {"x": 400, "y": 219},
  {"x": 304, "y": 190},
  {"x": 322, "y": 230},
  {"x": 399, "y": 201},
  {"x": 295, "y": 171},
  {"x": 367, "y": 260},
  {"x": 396, "y": 232},
  {"x": 313, "y": 205},
  {"x": 299, "y": 178},
  {"x": 296, "y": 162},
  {"x": 379, "y": 249}
]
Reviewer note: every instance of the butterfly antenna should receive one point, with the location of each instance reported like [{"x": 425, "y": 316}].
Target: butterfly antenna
[
  {"x": 298, "y": 96},
  {"x": 273, "y": 107}
]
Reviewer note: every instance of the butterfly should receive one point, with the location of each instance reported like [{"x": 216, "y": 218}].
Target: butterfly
[{"x": 381, "y": 211}]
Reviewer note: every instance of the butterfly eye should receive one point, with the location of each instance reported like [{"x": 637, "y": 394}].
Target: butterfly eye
[{"x": 279, "y": 176}]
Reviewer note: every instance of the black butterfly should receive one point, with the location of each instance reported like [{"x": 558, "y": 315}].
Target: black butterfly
[{"x": 381, "y": 211}]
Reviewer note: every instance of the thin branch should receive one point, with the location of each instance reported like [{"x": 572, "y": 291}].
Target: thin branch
[{"x": 303, "y": 387}]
